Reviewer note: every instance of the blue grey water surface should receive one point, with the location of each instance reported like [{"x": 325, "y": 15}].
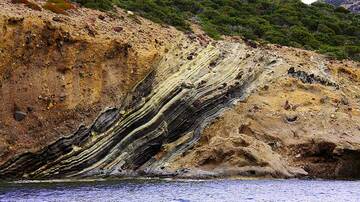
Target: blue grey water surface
[{"x": 182, "y": 191}]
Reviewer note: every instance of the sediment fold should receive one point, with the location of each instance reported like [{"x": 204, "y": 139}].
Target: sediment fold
[
  {"x": 187, "y": 107},
  {"x": 160, "y": 110}
]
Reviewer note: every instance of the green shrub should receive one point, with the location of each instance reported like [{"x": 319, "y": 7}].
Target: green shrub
[
  {"x": 319, "y": 26},
  {"x": 353, "y": 52},
  {"x": 334, "y": 52},
  {"x": 103, "y": 5},
  {"x": 211, "y": 30},
  {"x": 302, "y": 36}
]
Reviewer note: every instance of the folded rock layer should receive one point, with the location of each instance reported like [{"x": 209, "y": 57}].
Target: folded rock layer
[
  {"x": 182, "y": 105},
  {"x": 160, "y": 110}
]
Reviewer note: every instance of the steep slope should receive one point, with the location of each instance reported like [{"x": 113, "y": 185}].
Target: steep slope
[
  {"x": 168, "y": 103},
  {"x": 307, "y": 118},
  {"x": 320, "y": 27},
  {"x": 58, "y": 71}
]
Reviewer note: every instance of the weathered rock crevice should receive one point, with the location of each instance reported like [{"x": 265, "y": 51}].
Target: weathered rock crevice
[{"x": 348, "y": 166}]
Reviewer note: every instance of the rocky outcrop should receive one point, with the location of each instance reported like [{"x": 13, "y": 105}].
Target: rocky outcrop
[
  {"x": 351, "y": 5},
  {"x": 188, "y": 107},
  {"x": 60, "y": 76},
  {"x": 306, "y": 120},
  {"x": 161, "y": 109}
]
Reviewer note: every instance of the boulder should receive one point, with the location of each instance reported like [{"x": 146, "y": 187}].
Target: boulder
[{"x": 19, "y": 115}]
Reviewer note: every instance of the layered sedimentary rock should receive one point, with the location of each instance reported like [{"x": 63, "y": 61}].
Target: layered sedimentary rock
[
  {"x": 58, "y": 72},
  {"x": 181, "y": 105},
  {"x": 308, "y": 117},
  {"x": 178, "y": 97}
]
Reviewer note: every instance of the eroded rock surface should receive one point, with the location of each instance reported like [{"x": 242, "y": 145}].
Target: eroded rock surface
[
  {"x": 62, "y": 77},
  {"x": 292, "y": 124},
  {"x": 164, "y": 103}
]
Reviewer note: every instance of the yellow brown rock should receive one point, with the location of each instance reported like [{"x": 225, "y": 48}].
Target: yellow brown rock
[{"x": 149, "y": 100}]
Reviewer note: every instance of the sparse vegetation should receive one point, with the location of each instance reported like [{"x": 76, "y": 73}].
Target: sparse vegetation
[
  {"x": 321, "y": 27},
  {"x": 29, "y": 4},
  {"x": 103, "y": 5},
  {"x": 58, "y": 6}
]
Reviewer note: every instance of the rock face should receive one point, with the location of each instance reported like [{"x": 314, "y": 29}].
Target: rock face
[
  {"x": 351, "y": 5},
  {"x": 288, "y": 125},
  {"x": 173, "y": 104},
  {"x": 55, "y": 66}
]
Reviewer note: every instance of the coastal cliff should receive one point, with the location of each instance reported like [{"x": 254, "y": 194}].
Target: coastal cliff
[{"x": 93, "y": 94}]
